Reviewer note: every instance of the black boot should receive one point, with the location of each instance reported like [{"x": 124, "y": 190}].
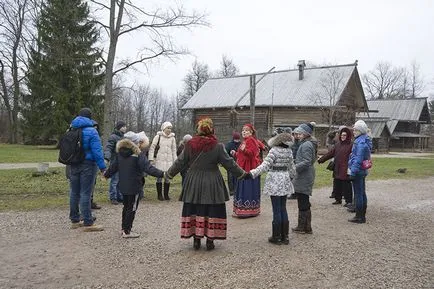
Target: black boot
[
  {"x": 209, "y": 244},
  {"x": 159, "y": 191},
  {"x": 301, "y": 224},
  {"x": 196, "y": 243},
  {"x": 285, "y": 233},
  {"x": 363, "y": 215},
  {"x": 276, "y": 233},
  {"x": 358, "y": 218},
  {"x": 308, "y": 226},
  {"x": 292, "y": 197},
  {"x": 166, "y": 191}
]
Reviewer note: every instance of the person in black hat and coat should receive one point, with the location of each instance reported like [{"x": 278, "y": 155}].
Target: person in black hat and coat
[{"x": 109, "y": 155}]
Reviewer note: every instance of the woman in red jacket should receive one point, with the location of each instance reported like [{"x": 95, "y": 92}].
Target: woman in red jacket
[{"x": 247, "y": 198}]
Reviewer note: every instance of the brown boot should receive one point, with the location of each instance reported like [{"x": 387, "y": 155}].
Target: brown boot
[{"x": 301, "y": 224}]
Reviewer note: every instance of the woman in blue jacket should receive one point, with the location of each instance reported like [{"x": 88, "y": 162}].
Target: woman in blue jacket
[{"x": 361, "y": 151}]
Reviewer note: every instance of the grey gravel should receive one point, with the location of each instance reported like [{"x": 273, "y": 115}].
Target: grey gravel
[{"x": 394, "y": 249}]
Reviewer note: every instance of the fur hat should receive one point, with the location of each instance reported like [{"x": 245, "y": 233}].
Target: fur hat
[
  {"x": 165, "y": 125},
  {"x": 281, "y": 138},
  {"x": 85, "y": 112},
  {"x": 361, "y": 126},
  {"x": 304, "y": 128},
  {"x": 120, "y": 124}
]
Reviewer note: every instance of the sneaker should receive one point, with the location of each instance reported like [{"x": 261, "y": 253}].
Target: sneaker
[
  {"x": 114, "y": 202},
  {"x": 93, "y": 228},
  {"x": 130, "y": 235},
  {"x": 76, "y": 225}
]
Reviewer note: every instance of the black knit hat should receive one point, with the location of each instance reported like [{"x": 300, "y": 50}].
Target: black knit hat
[
  {"x": 120, "y": 124},
  {"x": 85, "y": 112}
]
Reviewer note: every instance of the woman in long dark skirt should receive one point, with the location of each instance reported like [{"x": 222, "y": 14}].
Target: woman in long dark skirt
[{"x": 204, "y": 191}]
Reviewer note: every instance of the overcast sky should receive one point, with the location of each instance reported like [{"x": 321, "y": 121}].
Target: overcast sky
[{"x": 258, "y": 35}]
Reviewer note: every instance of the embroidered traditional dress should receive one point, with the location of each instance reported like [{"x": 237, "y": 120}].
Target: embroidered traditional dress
[{"x": 247, "y": 197}]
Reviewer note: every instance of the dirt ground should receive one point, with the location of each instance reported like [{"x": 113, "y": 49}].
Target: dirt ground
[{"x": 394, "y": 249}]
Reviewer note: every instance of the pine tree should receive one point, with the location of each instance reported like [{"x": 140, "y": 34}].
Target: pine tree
[{"x": 64, "y": 72}]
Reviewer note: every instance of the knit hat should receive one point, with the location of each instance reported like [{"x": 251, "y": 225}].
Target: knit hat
[
  {"x": 205, "y": 126},
  {"x": 304, "y": 128},
  {"x": 85, "y": 112},
  {"x": 136, "y": 137},
  {"x": 186, "y": 138},
  {"x": 361, "y": 126},
  {"x": 236, "y": 135},
  {"x": 120, "y": 124},
  {"x": 251, "y": 127},
  {"x": 165, "y": 125}
]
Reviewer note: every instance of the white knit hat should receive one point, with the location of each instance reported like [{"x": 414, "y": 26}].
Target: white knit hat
[
  {"x": 136, "y": 137},
  {"x": 165, "y": 125},
  {"x": 361, "y": 126}
]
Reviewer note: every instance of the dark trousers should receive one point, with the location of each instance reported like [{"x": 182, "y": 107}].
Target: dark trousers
[
  {"x": 303, "y": 202},
  {"x": 343, "y": 189},
  {"x": 232, "y": 182},
  {"x": 278, "y": 204},
  {"x": 360, "y": 192},
  {"x": 131, "y": 202}
]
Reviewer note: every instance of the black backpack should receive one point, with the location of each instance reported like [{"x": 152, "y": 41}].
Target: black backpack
[{"x": 70, "y": 147}]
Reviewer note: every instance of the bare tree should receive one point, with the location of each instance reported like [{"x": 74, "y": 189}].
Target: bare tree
[
  {"x": 383, "y": 82},
  {"x": 126, "y": 18},
  {"x": 14, "y": 21},
  {"x": 416, "y": 80},
  {"x": 227, "y": 67}
]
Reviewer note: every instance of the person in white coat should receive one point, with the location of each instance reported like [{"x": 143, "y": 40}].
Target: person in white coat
[
  {"x": 162, "y": 154},
  {"x": 279, "y": 164}
]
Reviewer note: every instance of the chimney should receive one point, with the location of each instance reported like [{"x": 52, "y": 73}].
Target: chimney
[{"x": 301, "y": 65}]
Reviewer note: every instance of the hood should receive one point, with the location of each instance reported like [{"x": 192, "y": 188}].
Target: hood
[
  {"x": 160, "y": 133},
  {"x": 282, "y": 138},
  {"x": 81, "y": 121},
  {"x": 349, "y": 135},
  {"x": 126, "y": 148}
]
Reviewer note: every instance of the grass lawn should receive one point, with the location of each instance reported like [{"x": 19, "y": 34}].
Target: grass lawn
[
  {"x": 27, "y": 154},
  {"x": 19, "y": 190}
]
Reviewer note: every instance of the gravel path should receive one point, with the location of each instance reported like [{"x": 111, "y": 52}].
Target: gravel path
[{"x": 394, "y": 249}]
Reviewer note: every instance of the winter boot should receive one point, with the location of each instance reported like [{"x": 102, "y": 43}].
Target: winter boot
[
  {"x": 159, "y": 191},
  {"x": 358, "y": 218},
  {"x": 166, "y": 191},
  {"x": 308, "y": 227},
  {"x": 276, "y": 234},
  {"x": 210, "y": 244},
  {"x": 363, "y": 215},
  {"x": 285, "y": 232},
  {"x": 301, "y": 224},
  {"x": 196, "y": 243}
]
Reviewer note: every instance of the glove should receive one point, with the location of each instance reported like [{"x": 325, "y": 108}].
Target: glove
[{"x": 248, "y": 176}]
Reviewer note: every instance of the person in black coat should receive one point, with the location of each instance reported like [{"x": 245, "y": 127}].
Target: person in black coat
[
  {"x": 231, "y": 147},
  {"x": 131, "y": 164}
]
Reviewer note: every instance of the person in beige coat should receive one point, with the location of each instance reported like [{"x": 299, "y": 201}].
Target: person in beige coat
[{"x": 162, "y": 154}]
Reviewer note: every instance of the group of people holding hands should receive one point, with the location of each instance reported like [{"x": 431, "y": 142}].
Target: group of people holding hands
[{"x": 204, "y": 192}]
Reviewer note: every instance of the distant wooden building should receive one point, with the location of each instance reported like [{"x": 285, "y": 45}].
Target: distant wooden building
[
  {"x": 404, "y": 118},
  {"x": 380, "y": 134},
  {"x": 329, "y": 96}
]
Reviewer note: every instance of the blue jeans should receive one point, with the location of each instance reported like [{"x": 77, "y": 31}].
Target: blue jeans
[
  {"x": 280, "y": 214},
  {"x": 81, "y": 185},
  {"x": 114, "y": 193},
  {"x": 360, "y": 192}
]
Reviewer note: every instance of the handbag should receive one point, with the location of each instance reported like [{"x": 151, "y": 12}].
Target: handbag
[
  {"x": 366, "y": 164},
  {"x": 157, "y": 147},
  {"x": 331, "y": 166}
]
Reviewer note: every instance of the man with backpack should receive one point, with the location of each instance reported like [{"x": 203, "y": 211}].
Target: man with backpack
[
  {"x": 83, "y": 172},
  {"x": 109, "y": 155}
]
